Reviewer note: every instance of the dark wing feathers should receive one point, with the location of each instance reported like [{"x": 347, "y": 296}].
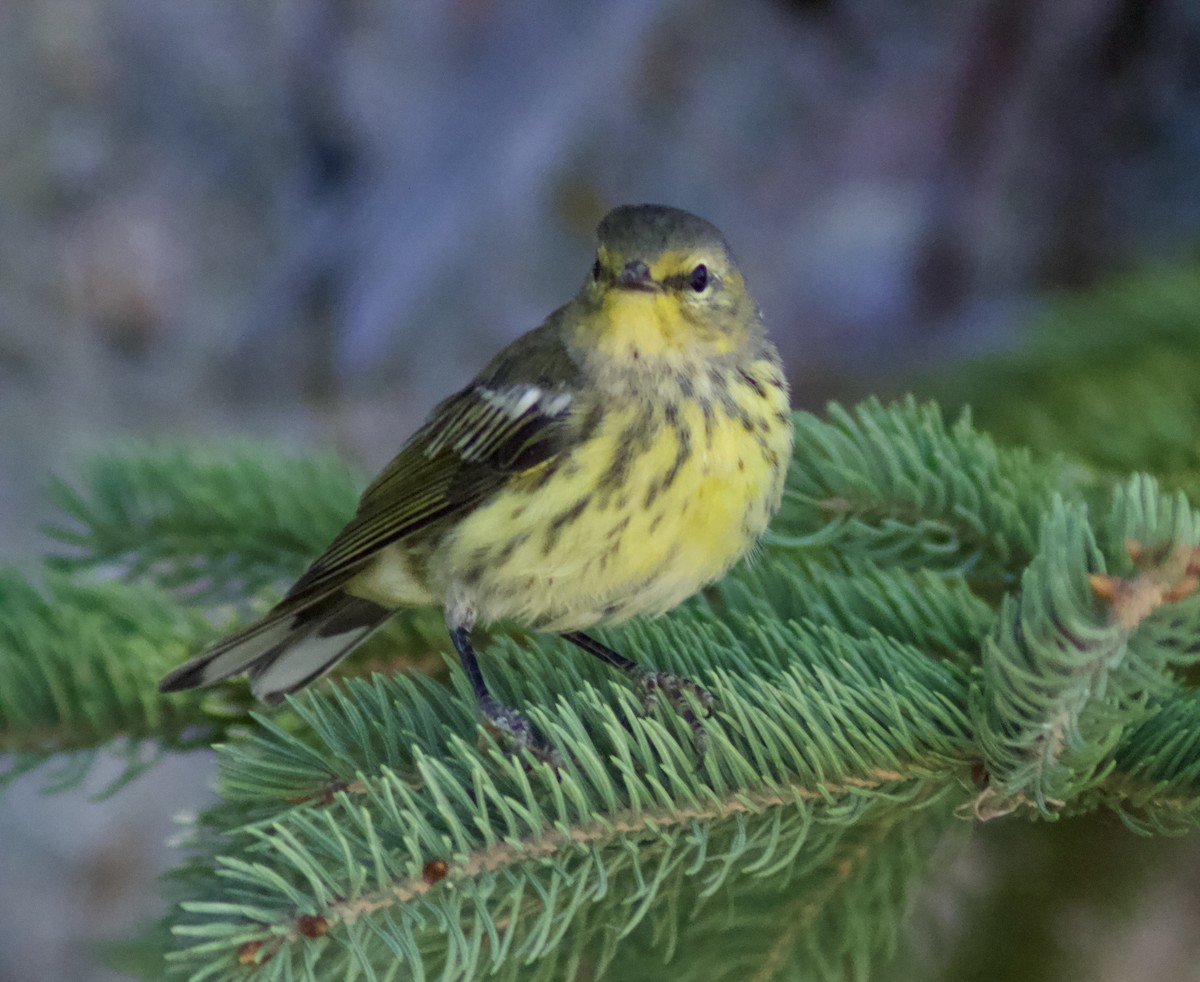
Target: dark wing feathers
[{"x": 473, "y": 443}]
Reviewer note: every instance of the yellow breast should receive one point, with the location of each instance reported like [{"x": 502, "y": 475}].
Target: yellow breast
[{"x": 656, "y": 503}]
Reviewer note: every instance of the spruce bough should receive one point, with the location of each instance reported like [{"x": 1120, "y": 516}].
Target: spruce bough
[{"x": 938, "y": 631}]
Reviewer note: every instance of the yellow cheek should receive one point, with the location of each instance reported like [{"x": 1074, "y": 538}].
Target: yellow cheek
[{"x": 673, "y": 262}]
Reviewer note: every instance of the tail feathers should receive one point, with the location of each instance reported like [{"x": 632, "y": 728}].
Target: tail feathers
[
  {"x": 287, "y": 649},
  {"x": 343, "y": 625}
]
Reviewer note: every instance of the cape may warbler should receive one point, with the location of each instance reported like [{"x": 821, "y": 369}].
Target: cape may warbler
[{"x": 608, "y": 464}]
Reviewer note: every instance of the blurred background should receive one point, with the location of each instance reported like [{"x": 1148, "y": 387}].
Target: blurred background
[{"x": 306, "y": 221}]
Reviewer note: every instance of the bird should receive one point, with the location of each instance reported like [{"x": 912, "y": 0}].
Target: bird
[{"x": 606, "y": 465}]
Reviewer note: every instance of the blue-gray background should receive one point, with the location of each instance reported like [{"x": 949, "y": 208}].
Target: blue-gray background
[{"x": 306, "y": 220}]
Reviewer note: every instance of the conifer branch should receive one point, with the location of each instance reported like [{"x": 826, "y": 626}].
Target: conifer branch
[
  {"x": 1155, "y": 784},
  {"x": 933, "y": 615},
  {"x": 218, "y": 524},
  {"x": 897, "y": 485},
  {"x": 477, "y": 815},
  {"x": 935, "y": 612},
  {"x": 80, "y": 663},
  {"x": 1062, "y": 679}
]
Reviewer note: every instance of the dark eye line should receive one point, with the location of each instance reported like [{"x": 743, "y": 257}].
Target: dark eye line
[
  {"x": 597, "y": 269},
  {"x": 686, "y": 281}
]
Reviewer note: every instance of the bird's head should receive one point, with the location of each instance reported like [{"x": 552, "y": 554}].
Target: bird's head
[{"x": 663, "y": 282}]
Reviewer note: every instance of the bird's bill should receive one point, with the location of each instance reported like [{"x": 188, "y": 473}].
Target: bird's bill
[{"x": 636, "y": 276}]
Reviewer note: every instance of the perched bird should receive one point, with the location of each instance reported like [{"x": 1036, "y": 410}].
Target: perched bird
[{"x": 606, "y": 465}]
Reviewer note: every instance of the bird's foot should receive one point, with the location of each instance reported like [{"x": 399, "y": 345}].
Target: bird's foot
[
  {"x": 517, "y": 732},
  {"x": 677, "y": 688}
]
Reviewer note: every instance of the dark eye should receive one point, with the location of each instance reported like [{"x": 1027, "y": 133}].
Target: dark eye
[
  {"x": 699, "y": 278},
  {"x": 597, "y": 269}
]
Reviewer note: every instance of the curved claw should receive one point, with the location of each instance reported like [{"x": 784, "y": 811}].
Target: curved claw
[
  {"x": 676, "y": 688},
  {"x": 517, "y": 732}
]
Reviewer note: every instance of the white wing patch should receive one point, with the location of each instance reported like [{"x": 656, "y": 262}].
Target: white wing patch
[
  {"x": 519, "y": 399},
  {"x": 557, "y": 405},
  {"x": 475, "y": 435},
  {"x": 515, "y": 402}
]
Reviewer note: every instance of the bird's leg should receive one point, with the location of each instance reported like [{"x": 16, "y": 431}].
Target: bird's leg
[
  {"x": 650, "y": 682},
  {"x": 499, "y": 717}
]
